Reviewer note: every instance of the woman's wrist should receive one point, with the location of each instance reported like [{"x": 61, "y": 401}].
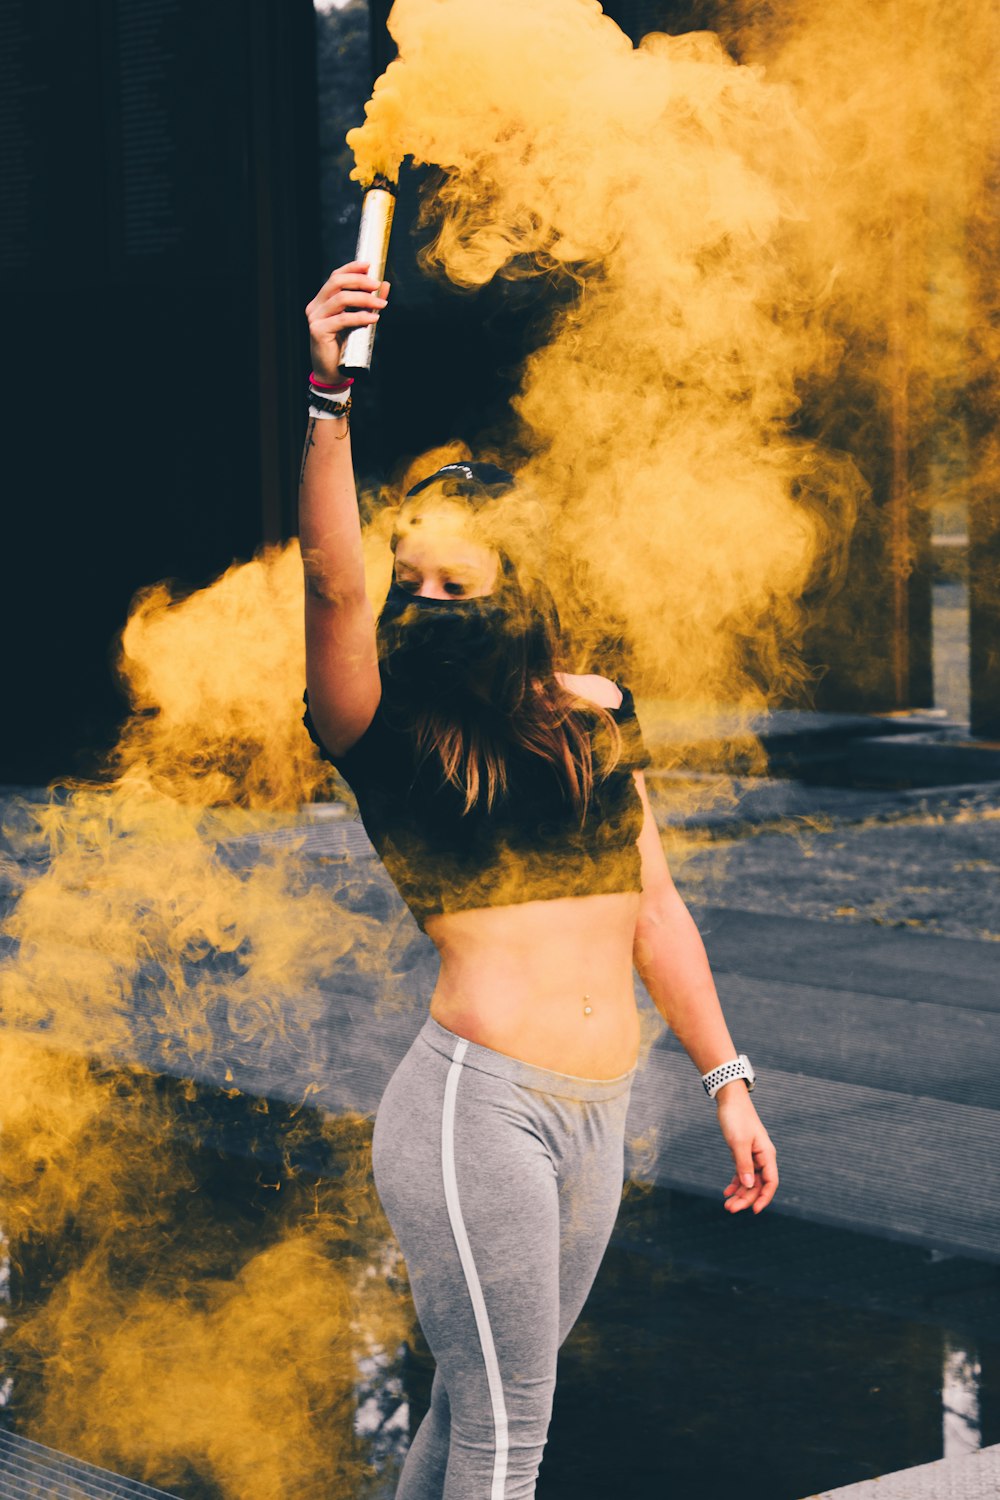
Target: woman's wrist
[
  {"x": 331, "y": 407},
  {"x": 341, "y": 421},
  {"x": 329, "y": 402}
]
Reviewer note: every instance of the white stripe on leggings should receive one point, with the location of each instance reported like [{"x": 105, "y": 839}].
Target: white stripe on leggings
[{"x": 472, "y": 1276}]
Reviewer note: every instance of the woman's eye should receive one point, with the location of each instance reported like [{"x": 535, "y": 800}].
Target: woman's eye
[
  {"x": 409, "y": 584},
  {"x": 455, "y": 589}
]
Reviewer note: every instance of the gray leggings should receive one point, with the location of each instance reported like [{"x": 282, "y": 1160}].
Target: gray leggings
[{"x": 502, "y": 1182}]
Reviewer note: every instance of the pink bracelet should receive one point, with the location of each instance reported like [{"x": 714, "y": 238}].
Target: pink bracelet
[{"x": 322, "y": 385}]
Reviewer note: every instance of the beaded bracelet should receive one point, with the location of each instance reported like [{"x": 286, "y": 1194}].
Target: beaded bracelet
[{"x": 326, "y": 410}]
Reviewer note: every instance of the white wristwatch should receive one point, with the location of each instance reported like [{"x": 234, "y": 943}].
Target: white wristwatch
[{"x": 739, "y": 1067}]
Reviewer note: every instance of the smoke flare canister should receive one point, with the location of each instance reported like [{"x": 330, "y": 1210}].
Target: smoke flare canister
[{"x": 373, "y": 246}]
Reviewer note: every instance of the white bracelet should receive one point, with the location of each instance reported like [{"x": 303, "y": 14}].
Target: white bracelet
[{"x": 327, "y": 416}]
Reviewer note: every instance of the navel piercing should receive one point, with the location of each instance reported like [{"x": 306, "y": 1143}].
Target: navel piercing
[{"x": 587, "y": 1008}]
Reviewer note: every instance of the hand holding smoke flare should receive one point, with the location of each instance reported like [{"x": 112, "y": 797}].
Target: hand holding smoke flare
[{"x": 377, "y": 211}]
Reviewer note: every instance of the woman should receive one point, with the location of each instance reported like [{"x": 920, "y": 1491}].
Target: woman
[{"x": 507, "y": 801}]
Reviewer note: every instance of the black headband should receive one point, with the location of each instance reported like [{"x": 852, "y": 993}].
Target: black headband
[{"x": 471, "y": 479}]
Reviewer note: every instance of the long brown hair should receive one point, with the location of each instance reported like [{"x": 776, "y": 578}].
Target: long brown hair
[{"x": 511, "y": 700}]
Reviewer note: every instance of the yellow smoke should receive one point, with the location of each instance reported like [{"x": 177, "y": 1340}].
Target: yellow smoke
[
  {"x": 807, "y": 224},
  {"x": 132, "y": 872},
  {"x": 154, "y": 1334},
  {"x": 172, "y": 1340},
  {"x": 675, "y": 187},
  {"x": 215, "y": 681},
  {"x": 903, "y": 97}
]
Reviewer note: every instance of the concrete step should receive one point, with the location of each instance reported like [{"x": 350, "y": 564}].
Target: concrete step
[
  {"x": 973, "y": 1476},
  {"x": 728, "y": 807},
  {"x": 864, "y": 959},
  {"x": 901, "y": 1165},
  {"x": 920, "y": 760},
  {"x": 892, "y": 751},
  {"x": 797, "y": 742}
]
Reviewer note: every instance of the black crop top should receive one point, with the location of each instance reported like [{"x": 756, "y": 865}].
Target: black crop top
[{"x": 530, "y": 846}]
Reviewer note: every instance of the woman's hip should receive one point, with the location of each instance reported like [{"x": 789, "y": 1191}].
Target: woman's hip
[{"x": 452, "y": 1097}]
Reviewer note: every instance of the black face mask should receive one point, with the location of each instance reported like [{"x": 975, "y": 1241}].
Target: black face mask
[{"x": 425, "y": 640}]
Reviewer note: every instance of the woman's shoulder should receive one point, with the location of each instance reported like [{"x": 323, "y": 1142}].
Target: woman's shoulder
[
  {"x": 366, "y": 752},
  {"x": 617, "y": 699},
  {"x": 593, "y": 687}
]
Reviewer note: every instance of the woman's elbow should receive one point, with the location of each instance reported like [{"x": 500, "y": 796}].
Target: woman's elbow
[
  {"x": 659, "y": 904},
  {"x": 652, "y": 923},
  {"x": 326, "y": 584}
]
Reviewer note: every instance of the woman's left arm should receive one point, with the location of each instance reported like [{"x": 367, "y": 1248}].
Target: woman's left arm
[{"x": 673, "y": 965}]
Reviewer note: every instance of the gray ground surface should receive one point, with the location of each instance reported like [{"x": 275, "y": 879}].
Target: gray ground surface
[
  {"x": 975, "y": 1476},
  {"x": 935, "y": 873}
]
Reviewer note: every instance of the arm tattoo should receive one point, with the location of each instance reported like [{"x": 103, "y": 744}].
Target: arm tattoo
[
  {"x": 309, "y": 443},
  {"x": 315, "y": 588}
]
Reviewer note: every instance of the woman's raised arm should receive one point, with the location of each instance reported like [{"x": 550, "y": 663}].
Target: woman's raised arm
[{"x": 341, "y": 663}]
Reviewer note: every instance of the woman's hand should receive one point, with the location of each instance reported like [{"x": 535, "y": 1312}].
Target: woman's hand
[
  {"x": 755, "y": 1180},
  {"x": 351, "y": 298}
]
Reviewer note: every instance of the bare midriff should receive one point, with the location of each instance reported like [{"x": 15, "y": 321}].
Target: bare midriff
[{"x": 549, "y": 982}]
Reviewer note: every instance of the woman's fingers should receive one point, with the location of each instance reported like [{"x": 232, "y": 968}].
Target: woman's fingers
[
  {"x": 360, "y": 268},
  {"x": 769, "y": 1179},
  {"x": 340, "y": 301},
  {"x": 355, "y": 281},
  {"x": 350, "y": 298},
  {"x": 343, "y": 301},
  {"x": 740, "y": 1194},
  {"x": 352, "y": 278},
  {"x": 337, "y": 307},
  {"x": 329, "y": 327}
]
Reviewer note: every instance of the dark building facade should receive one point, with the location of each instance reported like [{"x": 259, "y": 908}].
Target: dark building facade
[{"x": 158, "y": 242}]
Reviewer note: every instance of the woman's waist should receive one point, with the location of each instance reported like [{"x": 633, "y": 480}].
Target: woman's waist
[
  {"x": 549, "y": 982},
  {"x": 527, "y": 1073},
  {"x": 592, "y": 1033}
]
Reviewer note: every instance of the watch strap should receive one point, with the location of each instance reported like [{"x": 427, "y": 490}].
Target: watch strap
[{"x": 737, "y": 1067}]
